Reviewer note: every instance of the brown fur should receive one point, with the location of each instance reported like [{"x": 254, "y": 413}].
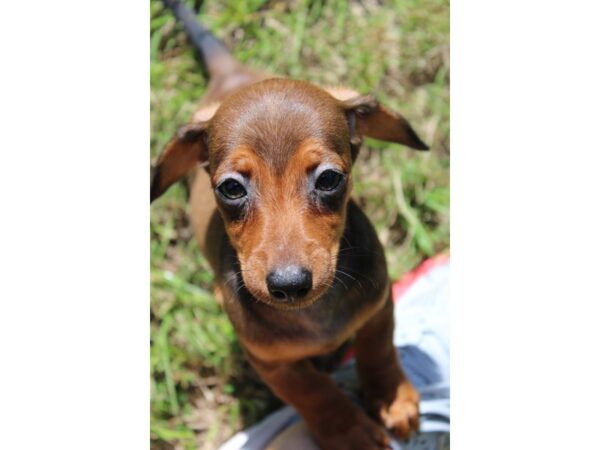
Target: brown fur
[{"x": 275, "y": 133}]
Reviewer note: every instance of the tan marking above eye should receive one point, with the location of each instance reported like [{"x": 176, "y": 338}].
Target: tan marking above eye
[
  {"x": 242, "y": 160},
  {"x": 312, "y": 153}
]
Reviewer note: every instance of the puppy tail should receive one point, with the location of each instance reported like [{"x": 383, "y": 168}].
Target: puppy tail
[{"x": 214, "y": 55}]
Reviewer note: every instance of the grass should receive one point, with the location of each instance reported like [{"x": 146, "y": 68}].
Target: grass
[{"x": 202, "y": 388}]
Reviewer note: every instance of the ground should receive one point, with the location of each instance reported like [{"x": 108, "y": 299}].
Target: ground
[{"x": 202, "y": 388}]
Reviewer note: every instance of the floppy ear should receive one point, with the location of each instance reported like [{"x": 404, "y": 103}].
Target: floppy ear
[
  {"x": 366, "y": 117},
  {"x": 186, "y": 149}
]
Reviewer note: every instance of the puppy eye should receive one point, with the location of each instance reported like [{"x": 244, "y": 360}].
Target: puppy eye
[
  {"x": 232, "y": 189},
  {"x": 328, "y": 180}
]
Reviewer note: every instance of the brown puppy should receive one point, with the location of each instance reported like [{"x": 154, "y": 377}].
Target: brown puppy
[{"x": 299, "y": 267}]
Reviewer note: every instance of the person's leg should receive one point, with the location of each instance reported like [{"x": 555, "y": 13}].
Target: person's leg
[{"x": 296, "y": 437}]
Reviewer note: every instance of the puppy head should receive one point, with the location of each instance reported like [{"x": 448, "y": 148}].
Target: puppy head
[{"x": 279, "y": 155}]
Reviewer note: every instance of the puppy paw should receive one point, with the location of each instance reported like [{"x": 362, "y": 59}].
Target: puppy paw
[
  {"x": 398, "y": 409},
  {"x": 358, "y": 433}
]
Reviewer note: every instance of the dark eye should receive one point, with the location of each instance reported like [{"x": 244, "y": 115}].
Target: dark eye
[
  {"x": 231, "y": 189},
  {"x": 328, "y": 180}
]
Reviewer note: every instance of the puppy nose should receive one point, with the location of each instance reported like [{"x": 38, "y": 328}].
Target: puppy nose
[{"x": 289, "y": 282}]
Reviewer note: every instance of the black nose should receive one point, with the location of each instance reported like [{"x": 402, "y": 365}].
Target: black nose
[{"x": 291, "y": 282}]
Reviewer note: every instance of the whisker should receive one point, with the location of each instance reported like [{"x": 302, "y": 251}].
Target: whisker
[
  {"x": 360, "y": 274},
  {"x": 347, "y": 274},
  {"x": 340, "y": 280}
]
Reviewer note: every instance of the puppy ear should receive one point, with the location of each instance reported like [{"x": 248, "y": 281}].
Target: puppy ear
[
  {"x": 185, "y": 150},
  {"x": 378, "y": 122},
  {"x": 366, "y": 117}
]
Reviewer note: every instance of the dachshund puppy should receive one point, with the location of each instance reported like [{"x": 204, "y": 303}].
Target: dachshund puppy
[{"x": 298, "y": 265}]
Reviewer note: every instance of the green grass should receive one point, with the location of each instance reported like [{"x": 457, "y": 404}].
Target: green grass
[{"x": 202, "y": 388}]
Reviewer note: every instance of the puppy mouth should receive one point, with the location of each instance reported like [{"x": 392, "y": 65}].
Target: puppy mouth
[
  {"x": 288, "y": 286},
  {"x": 295, "y": 303},
  {"x": 290, "y": 302}
]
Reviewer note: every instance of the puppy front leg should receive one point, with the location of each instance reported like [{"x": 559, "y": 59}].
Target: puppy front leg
[
  {"x": 334, "y": 421},
  {"x": 390, "y": 396}
]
